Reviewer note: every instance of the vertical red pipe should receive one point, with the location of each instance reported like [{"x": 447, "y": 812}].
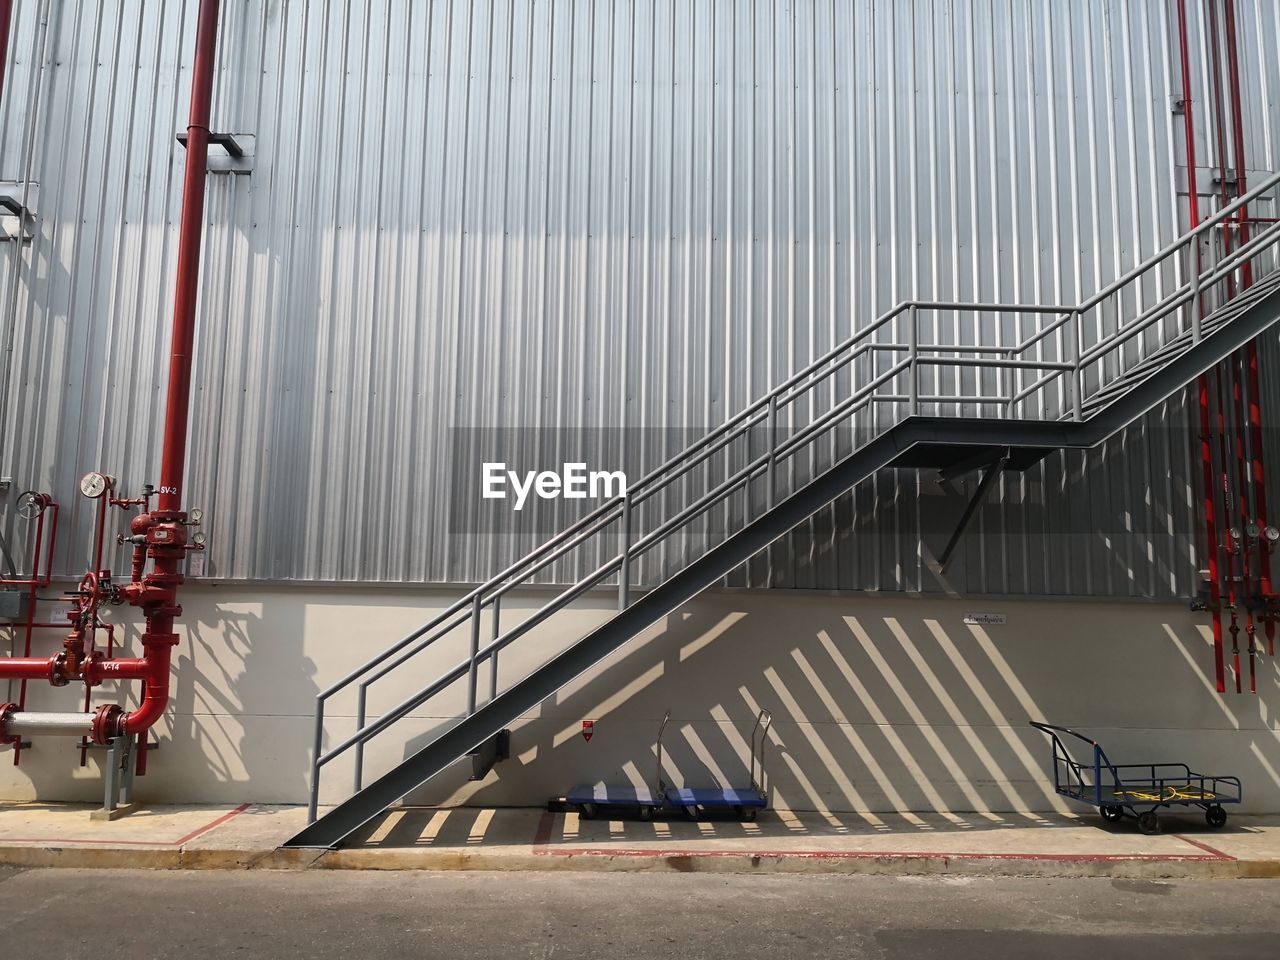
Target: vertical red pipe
[
  {"x": 1242, "y": 484},
  {"x": 1258, "y": 470},
  {"x": 156, "y": 594},
  {"x": 191, "y": 231},
  {"x": 1206, "y": 449},
  {"x": 31, "y": 620},
  {"x": 1224, "y": 459},
  {"x": 6, "y": 15},
  {"x": 1260, "y": 489},
  {"x": 1220, "y": 134},
  {"x": 1237, "y": 130}
]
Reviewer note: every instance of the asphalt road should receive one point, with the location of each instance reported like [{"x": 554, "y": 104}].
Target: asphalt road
[{"x": 104, "y": 914}]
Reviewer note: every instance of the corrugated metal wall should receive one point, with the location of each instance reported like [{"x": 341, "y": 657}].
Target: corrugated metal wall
[{"x": 586, "y": 214}]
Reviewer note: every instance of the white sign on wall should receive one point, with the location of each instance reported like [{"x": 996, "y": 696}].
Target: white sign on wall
[{"x": 985, "y": 618}]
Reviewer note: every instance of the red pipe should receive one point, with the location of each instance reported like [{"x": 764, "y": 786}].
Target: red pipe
[
  {"x": 1246, "y": 582},
  {"x": 162, "y": 533},
  {"x": 1260, "y": 491},
  {"x": 31, "y": 619},
  {"x": 165, "y": 529},
  {"x": 1224, "y": 459},
  {"x": 26, "y": 668},
  {"x": 36, "y": 580},
  {"x": 1237, "y": 129},
  {"x": 6, "y": 15},
  {"x": 1221, "y": 136},
  {"x": 155, "y": 693},
  {"x": 1258, "y": 468},
  {"x": 166, "y": 532},
  {"x": 174, "y": 453},
  {"x": 1206, "y": 449}
]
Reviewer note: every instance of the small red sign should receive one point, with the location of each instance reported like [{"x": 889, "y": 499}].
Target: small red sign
[{"x": 588, "y": 730}]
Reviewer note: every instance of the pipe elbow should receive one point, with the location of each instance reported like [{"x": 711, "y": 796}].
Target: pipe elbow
[
  {"x": 110, "y": 721},
  {"x": 155, "y": 690},
  {"x": 153, "y": 669},
  {"x": 154, "y": 701}
]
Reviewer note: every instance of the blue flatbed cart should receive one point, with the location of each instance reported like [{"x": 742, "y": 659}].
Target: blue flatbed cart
[
  {"x": 592, "y": 801},
  {"x": 1135, "y": 789},
  {"x": 746, "y": 803}
]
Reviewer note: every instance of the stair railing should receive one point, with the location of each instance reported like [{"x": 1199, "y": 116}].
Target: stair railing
[{"x": 1005, "y": 382}]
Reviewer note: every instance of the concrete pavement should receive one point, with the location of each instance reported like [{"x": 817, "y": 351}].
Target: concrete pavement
[
  {"x": 1029, "y": 844},
  {"x": 194, "y": 915}
]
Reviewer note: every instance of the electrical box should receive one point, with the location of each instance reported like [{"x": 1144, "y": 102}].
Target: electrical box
[{"x": 13, "y": 605}]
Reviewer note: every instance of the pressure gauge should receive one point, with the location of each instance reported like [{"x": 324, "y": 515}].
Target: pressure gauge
[
  {"x": 199, "y": 539},
  {"x": 94, "y": 485},
  {"x": 1253, "y": 530},
  {"x": 1272, "y": 533},
  {"x": 195, "y": 515},
  {"x": 1233, "y": 533}
]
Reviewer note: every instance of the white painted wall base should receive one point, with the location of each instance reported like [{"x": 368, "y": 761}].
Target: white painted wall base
[{"x": 879, "y": 704}]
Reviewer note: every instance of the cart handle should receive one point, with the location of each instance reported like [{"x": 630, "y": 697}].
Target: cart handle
[
  {"x": 763, "y": 720},
  {"x": 660, "y": 786},
  {"x": 1051, "y": 729},
  {"x": 1100, "y": 758}
]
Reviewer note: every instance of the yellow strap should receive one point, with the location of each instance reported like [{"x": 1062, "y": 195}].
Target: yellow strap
[{"x": 1168, "y": 793}]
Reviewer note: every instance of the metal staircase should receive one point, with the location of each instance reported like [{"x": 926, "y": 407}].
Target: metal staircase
[{"x": 987, "y": 393}]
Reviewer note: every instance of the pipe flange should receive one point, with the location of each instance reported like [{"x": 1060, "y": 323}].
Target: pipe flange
[
  {"x": 91, "y": 668},
  {"x": 6, "y": 711},
  {"x": 106, "y": 723}
]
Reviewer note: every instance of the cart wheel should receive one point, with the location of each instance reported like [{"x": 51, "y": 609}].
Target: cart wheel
[
  {"x": 1216, "y": 817},
  {"x": 587, "y": 811},
  {"x": 1113, "y": 814},
  {"x": 1148, "y": 822},
  {"x": 646, "y": 812},
  {"x": 746, "y": 814}
]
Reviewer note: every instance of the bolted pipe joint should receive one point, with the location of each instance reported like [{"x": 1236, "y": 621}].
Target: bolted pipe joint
[
  {"x": 7, "y": 710},
  {"x": 106, "y": 723}
]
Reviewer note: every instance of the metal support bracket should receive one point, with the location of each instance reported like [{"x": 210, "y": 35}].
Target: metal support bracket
[
  {"x": 18, "y": 204},
  {"x": 483, "y": 757},
  {"x": 235, "y": 156},
  {"x": 117, "y": 780},
  {"x": 993, "y": 468}
]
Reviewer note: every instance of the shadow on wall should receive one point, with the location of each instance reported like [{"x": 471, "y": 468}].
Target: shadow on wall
[
  {"x": 239, "y": 706},
  {"x": 242, "y": 692},
  {"x": 890, "y": 706}
]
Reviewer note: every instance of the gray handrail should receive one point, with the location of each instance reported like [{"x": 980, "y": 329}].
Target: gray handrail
[{"x": 1005, "y": 362}]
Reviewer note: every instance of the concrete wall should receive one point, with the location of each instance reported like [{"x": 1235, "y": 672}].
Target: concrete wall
[{"x": 879, "y": 703}]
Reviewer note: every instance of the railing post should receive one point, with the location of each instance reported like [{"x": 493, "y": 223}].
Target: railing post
[
  {"x": 1097, "y": 773},
  {"x": 771, "y": 430},
  {"x": 624, "y": 570},
  {"x": 361, "y": 716},
  {"x": 1074, "y": 384},
  {"x": 1194, "y": 254},
  {"x": 493, "y": 657},
  {"x": 913, "y": 366},
  {"x": 476, "y": 608},
  {"x": 313, "y": 800}
]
